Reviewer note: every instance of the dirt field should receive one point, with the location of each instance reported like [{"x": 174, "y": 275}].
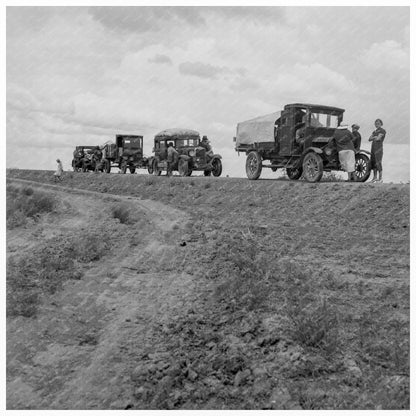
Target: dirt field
[{"x": 217, "y": 293}]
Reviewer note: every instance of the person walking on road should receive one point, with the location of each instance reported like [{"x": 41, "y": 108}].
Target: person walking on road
[
  {"x": 59, "y": 171},
  {"x": 377, "y": 140}
]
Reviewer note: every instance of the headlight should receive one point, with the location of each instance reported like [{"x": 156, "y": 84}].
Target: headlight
[
  {"x": 192, "y": 153},
  {"x": 328, "y": 151}
]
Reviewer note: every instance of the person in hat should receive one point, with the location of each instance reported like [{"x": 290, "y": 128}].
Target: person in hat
[
  {"x": 356, "y": 141},
  {"x": 172, "y": 159},
  {"x": 207, "y": 146},
  {"x": 59, "y": 171},
  {"x": 346, "y": 152},
  {"x": 377, "y": 139}
]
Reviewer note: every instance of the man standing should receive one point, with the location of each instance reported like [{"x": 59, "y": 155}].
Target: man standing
[
  {"x": 207, "y": 146},
  {"x": 356, "y": 141},
  {"x": 172, "y": 159}
]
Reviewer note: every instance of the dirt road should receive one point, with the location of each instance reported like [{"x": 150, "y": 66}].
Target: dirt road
[{"x": 73, "y": 356}]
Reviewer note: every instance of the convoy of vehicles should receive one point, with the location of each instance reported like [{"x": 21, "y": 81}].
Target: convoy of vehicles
[
  {"x": 273, "y": 141},
  {"x": 300, "y": 139}
]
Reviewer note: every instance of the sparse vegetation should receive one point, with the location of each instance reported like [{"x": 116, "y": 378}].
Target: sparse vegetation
[
  {"x": 24, "y": 203},
  {"x": 121, "y": 212}
]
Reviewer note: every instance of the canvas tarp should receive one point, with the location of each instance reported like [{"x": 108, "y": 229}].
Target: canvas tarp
[{"x": 259, "y": 129}]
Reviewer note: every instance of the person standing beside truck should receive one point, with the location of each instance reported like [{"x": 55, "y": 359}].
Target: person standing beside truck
[
  {"x": 172, "y": 159},
  {"x": 356, "y": 137},
  {"x": 377, "y": 140}
]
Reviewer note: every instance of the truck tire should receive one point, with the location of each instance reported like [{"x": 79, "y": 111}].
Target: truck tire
[
  {"x": 253, "y": 165},
  {"x": 132, "y": 169},
  {"x": 294, "y": 173},
  {"x": 150, "y": 168},
  {"x": 156, "y": 170},
  {"x": 216, "y": 167},
  {"x": 107, "y": 166},
  {"x": 313, "y": 167},
  {"x": 362, "y": 168}
]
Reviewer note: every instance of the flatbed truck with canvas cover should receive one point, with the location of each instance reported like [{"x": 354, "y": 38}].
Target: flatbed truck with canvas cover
[{"x": 299, "y": 139}]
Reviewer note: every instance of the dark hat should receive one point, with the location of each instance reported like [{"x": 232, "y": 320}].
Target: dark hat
[
  {"x": 355, "y": 126},
  {"x": 204, "y": 138}
]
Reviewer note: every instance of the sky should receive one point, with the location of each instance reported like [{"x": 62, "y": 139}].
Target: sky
[{"x": 81, "y": 75}]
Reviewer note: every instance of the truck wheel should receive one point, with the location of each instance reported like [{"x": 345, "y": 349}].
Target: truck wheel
[
  {"x": 107, "y": 166},
  {"x": 132, "y": 169},
  {"x": 150, "y": 168},
  {"x": 216, "y": 167},
  {"x": 207, "y": 173},
  {"x": 123, "y": 168},
  {"x": 253, "y": 165},
  {"x": 156, "y": 170},
  {"x": 294, "y": 173},
  {"x": 312, "y": 167},
  {"x": 84, "y": 167},
  {"x": 183, "y": 167},
  {"x": 362, "y": 168}
]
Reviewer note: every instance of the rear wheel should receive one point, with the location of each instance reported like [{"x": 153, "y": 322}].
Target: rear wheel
[
  {"x": 294, "y": 173},
  {"x": 362, "y": 168},
  {"x": 313, "y": 167},
  {"x": 84, "y": 167},
  {"x": 156, "y": 170},
  {"x": 107, "y": 166},
  {"x": 123, "y": 168},
  {"x": 150, "y": 167},
  {"x": 183, "y": 167},
  {"x": 216, "y": 167},
  {"x": 253, "y": 165},
  {"x": 132, "y": 169}
]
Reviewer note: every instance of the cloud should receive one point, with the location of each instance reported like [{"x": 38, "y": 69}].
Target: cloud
[
  {"x": 160, "y": 59},
  {"x": 202, "y": 70},
  {"x": 144, "y": 19},
  {"x": 386, "y": 56}
]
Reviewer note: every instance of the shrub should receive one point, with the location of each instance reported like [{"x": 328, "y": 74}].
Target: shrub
[
  {"x": 27, "y": 191},
  {"x": 121, "y": 212}
]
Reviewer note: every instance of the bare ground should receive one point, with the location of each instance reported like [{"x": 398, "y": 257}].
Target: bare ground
[{"x": 195, "y": 305}]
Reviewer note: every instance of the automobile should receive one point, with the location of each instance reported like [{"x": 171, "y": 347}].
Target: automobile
[
  {"x": 125, "y": 153},
  {"x": 192, "y": 155},
  {"x": 83, "y": 158},
  {"x": 299, "y": 139}
]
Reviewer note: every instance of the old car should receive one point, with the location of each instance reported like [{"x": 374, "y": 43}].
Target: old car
[
  {"x": 85, "y": 158},
  {"x": 125, "y": 153},
  {"x": 300, "y": 139},
  {"x": 192, "y": 155}
]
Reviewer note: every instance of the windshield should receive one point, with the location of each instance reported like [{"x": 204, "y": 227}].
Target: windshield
[
  {"x": 323, "y": 120},
  {"x": 187, "y": 142}
]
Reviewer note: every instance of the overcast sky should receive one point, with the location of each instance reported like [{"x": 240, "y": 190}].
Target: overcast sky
[{"x": 78, "y": 75}]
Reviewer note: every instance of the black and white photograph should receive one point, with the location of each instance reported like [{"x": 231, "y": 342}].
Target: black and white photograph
[{"x": 207, "y": 206}]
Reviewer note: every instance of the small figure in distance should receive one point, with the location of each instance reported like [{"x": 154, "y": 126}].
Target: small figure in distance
[
  {"x": 172, "y": 159},
  {"x": 346, "y": 152},
  {"x": 59, "y": 171},
  {"x": 356, "y": 141},
  {"x": 377, "y": 139}
]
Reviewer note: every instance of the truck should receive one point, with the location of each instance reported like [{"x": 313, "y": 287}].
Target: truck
[
  {"x": 86, "y": 158},
  {"x": 193, "y": 156},
  {"x": 299, "y": 139},
  {"x": 125, "y": 153}
]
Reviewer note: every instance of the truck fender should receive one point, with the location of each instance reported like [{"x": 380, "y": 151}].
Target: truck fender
[
  {"x": 364, "y": 152},
  {"x": 216, "y": 156},
  {"x": 312, "y": 149}
]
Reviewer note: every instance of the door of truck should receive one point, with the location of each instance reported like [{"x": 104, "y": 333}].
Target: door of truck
[{"x": 286, "y": 134}]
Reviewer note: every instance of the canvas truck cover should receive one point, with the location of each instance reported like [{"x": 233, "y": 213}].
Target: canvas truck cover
[{"x": 259, "y": 129}]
